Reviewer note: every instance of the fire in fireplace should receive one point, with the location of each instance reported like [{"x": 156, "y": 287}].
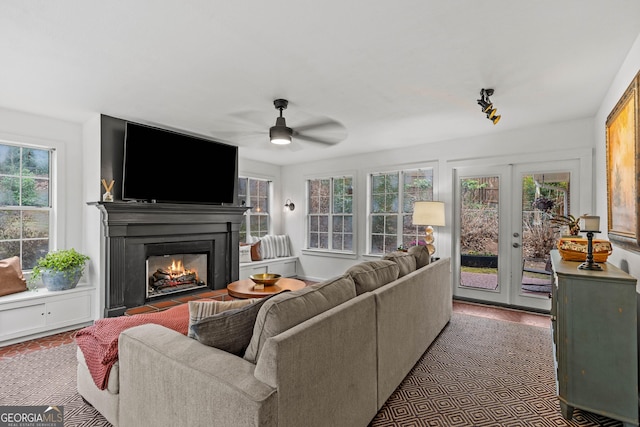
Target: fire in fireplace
[{"x": 168, "y": 274}]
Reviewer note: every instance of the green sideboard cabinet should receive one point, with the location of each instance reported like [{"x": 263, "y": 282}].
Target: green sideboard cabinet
[{"x": 594, "y": 322}]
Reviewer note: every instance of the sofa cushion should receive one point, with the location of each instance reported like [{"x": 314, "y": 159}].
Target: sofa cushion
[
  {"x": 202, "y": 309},
  {"x": 422, "y": 255},
  {"x": 286, "y": 310},
  {"x": 406, "y": 262},
  {"x": 11, "y": 278},
  {"x": 229, "y": 330},
  {"x": 371, "y": 275}
]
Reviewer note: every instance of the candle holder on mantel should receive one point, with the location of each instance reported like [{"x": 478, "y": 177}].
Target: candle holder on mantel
[{"x": 591, "y": 224}]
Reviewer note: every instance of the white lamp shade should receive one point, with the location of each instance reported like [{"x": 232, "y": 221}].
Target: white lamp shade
[
  {"x": 590, "y": 223},
  {"x": 428, "y": 213}
]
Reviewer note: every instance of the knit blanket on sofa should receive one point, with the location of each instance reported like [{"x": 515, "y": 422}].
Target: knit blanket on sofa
[{"x": 99, "y": 342}]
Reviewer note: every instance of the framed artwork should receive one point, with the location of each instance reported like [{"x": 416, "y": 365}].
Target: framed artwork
[{"x": 623, "y": 168}]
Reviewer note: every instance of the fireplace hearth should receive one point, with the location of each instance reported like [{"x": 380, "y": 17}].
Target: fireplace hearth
[{"x": 138, "y": 237}]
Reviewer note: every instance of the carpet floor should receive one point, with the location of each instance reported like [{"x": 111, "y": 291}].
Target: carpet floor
[{"x": 479, "y": 372}]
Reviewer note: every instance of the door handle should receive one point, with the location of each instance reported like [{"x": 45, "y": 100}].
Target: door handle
[{"x": 516, "y": 245}]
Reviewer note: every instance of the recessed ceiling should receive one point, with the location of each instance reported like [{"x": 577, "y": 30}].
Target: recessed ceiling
[{"x": 394, "y": 74}]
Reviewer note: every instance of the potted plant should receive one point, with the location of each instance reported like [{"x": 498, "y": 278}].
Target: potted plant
[
  {"x": 569, "y": 221},
  {"x": 60, "y": 270}
]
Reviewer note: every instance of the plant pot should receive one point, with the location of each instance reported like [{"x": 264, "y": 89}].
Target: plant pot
[{"x": 56, "y": 280}]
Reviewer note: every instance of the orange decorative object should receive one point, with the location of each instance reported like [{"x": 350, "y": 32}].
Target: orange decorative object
[{"x": 575, "y": 249}]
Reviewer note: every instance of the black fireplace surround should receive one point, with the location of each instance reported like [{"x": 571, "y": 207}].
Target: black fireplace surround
[{"x": 131, "y": 228}]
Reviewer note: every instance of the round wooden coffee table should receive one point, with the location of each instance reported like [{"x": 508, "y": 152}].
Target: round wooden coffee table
[{"x": 245, "y": 288}]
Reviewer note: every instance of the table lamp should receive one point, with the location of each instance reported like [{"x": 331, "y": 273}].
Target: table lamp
[
  {"x": 429, "y": 214},
  {"x": 591, "y": 225}
]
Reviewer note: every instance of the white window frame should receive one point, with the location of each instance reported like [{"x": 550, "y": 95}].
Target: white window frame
[
  {"x": 331, "y": 216},
  {"x": 399, "y": 214},
  {"x": 50, "y": 209},
  {"x": 251, "y": 212}
]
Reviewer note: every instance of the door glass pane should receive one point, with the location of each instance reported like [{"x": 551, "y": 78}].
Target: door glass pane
[
  {"x": 543, "y": 196},
  {"x": 479, "y": 228}
]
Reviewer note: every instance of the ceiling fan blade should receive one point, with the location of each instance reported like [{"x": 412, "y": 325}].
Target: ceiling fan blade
[
  {"x": 326, "y": 140},
  {"x": 324, "y": 123}
]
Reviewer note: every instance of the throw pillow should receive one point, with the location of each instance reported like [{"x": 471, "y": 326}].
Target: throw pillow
[
  {"x": 422, "y": 255},
  {"x": 255, "y": 251},
  {"x": 230, "y": 330},
  {"x": 286, "y": 310},
  {"x": 245, "y": 253},
  {"x": 11, "y": 278},
  {"x": 371, "y": 275},
  {"x": 267, "y": 247},
  {"x": 202, "y": 309},
  {"x": 406, "y": 262}
]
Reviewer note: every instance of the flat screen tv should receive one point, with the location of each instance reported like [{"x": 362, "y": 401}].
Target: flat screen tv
[{"x": 166, "y": 166}]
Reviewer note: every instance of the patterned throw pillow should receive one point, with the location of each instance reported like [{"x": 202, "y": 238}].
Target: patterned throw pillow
[
  {"x": 245, "y": 253},
  {"x": 275, "y": 246}
]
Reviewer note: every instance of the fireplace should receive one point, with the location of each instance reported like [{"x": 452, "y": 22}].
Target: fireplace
[
  {"x": 176, "y": 268},
  {"x": 139, "y": 237}
]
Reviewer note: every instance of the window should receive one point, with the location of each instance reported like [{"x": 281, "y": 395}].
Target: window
[
  {"x": 254, "y": 193},
  {"x": 392, "y": 195},
  {"x": 330, "y": 214},
  {"x": 25, "y": 203}
]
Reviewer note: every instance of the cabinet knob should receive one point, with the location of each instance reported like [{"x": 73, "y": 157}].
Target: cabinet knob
[{"x": 516, "y": 245}]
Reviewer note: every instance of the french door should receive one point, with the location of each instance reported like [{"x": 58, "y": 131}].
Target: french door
[{"x": 503, "y": 233}]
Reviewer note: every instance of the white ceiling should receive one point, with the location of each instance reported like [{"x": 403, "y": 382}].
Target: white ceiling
[{"x": 394, "y": 74}]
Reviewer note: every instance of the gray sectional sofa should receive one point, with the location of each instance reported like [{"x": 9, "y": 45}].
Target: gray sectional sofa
[{"x": 328, "y": 355}]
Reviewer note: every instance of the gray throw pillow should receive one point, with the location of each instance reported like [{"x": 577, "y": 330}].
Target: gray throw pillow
[
  {"x": 230, "y": 330},
  {"x": 370, "y": 275},
  {"x": 201, "y": 309}
]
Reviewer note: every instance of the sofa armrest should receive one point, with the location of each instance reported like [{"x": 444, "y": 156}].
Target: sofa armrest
[{"x": 168, "y": 378}]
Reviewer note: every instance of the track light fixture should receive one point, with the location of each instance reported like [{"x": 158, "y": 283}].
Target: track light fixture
[{"x": 487, "y": 106}]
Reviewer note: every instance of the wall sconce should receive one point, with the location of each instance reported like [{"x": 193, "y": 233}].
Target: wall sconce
[
  {"x": 591, "y": 225},
  {"x": 429, "y": 214},
  {"x": 487, "y": 106},
  {"x": 289, "y": 205}
]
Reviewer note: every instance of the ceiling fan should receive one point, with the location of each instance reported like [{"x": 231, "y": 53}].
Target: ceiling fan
[{"x": 250, "y": 129}]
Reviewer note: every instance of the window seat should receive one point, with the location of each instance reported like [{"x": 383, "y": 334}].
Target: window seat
[{"x": 285, "y": 266}]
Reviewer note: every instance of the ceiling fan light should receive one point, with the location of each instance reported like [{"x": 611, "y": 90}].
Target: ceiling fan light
[{"x": 280, "y": 134}]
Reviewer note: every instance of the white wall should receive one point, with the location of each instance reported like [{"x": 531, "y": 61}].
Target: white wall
[
  {"x": 627, "y": 260},
  {"x": 66, "y": 138},
  {"x": 551, "y": 141}
]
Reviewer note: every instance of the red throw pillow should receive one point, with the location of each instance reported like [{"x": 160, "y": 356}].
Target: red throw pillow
[{"x": 11, "y": 278}]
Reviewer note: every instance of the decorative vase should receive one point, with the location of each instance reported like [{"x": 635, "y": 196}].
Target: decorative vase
[{"x": 56, "y": 280}]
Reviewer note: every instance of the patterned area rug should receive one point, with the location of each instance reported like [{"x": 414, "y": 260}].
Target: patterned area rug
[
  {"x": 479, "y": 372},
  {"x": 483, "y": 372}
]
